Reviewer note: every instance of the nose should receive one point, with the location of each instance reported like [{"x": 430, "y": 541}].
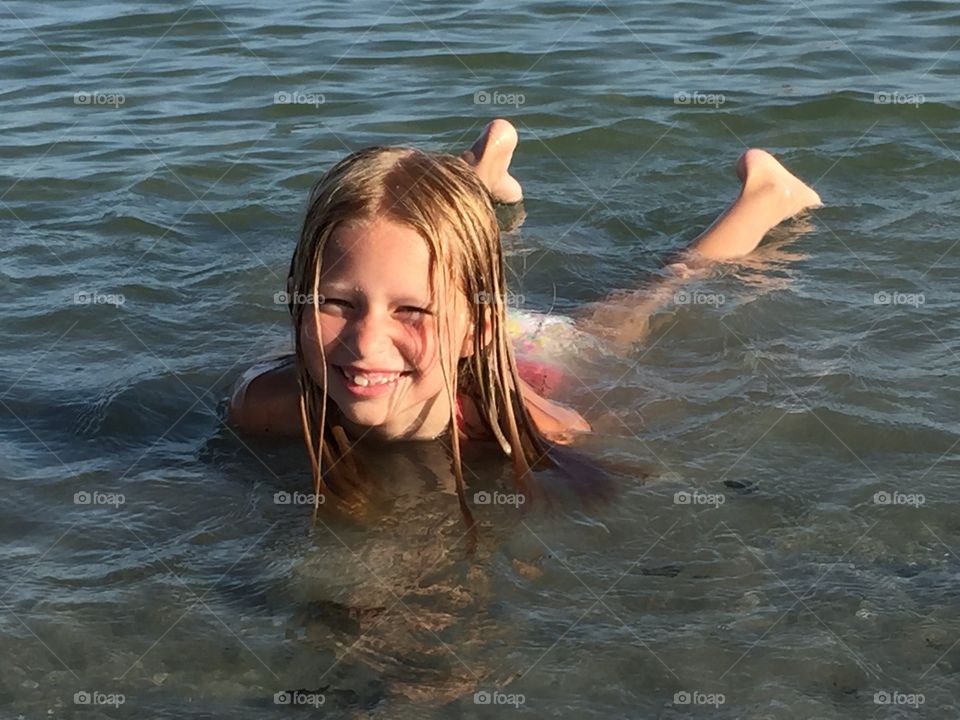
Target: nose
[{"x": 369, "y": 335}]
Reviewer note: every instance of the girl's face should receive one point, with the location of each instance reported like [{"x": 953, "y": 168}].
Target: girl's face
[{"x": 378, "y": 323}]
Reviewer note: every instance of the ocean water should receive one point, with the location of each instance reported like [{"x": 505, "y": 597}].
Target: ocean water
[{"x": 783, "y": 538}]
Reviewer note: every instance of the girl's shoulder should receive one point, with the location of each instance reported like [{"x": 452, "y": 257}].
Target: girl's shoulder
[
  {"x": 266, "y": 398},
  {"x": 469, "y": 422}
]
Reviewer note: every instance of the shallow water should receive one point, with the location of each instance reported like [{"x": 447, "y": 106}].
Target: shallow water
[{"x": 786, "y": 589}]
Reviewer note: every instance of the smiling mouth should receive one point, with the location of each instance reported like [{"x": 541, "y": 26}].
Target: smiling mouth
[{"x": 362, "y": 378}]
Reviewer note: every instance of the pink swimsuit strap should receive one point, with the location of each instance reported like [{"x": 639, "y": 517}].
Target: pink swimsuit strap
[{"x": 461, "y": 425}]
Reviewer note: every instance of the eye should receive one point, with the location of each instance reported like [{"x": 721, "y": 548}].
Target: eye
[
  {"x": 331, "y": 303},
  {"x": 413, "y": 311}
]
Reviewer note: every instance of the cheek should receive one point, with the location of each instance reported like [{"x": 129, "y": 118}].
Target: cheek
[
  {"x": 311, "y": 337},
  {"x": 428, "y": 361},
  {"x": 419, "y": 345}
]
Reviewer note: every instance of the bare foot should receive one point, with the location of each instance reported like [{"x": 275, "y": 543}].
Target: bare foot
[
  {"x": 770, "y": 194},
  {"x": 490, "y": 156},
  {"x": 762, "y": 173}
]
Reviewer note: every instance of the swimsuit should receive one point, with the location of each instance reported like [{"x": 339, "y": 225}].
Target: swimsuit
[
  {"x": 541, "y": 343},
  {"x": 541, "y": 335}
]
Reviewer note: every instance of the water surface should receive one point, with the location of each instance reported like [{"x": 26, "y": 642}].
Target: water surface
[{"x": 145, "y": 155}]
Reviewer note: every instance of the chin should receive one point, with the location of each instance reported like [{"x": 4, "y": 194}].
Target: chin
[{"x": 368, "y": 417}]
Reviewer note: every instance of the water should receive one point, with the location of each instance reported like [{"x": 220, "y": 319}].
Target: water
[{"x": 793, "y": 402}]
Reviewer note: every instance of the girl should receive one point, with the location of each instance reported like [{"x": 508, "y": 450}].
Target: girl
[{"x": 396, "y": 289}]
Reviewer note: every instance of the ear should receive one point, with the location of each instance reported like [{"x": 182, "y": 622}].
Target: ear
[{"x": 467, "y": 348}]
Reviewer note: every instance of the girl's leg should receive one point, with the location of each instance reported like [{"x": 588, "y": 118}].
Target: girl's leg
[
  {"x": 490, "y": 156},
  {"x": 769, "y": 195}
]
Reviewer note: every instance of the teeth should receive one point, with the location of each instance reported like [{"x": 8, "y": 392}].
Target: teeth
[{"x": 371, "y": 378}]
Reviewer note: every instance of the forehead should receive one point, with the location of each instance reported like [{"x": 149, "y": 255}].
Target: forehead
[
  {"x": 378, "y": 253},
  {"x": 381, "y": 237}
]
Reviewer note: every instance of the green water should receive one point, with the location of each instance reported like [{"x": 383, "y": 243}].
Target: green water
[{"x": 145, "y": 155}]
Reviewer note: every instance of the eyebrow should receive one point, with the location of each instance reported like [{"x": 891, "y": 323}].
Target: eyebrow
[
  {"x": 338, "y": 287},
  {"x": 335, "y": 288}
]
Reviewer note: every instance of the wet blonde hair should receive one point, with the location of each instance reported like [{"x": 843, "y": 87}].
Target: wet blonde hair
[{"x": 441, "y": 198}]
